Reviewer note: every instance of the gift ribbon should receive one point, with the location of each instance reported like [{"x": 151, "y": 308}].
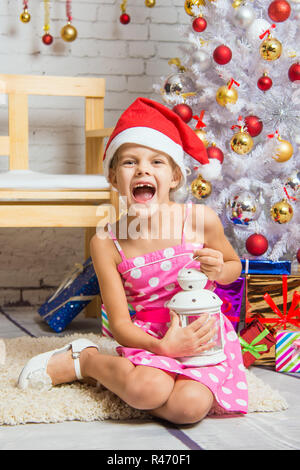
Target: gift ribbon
[
  {"x": 268, "y": 31},
  {"x": 70, "y": 277},
  {"x": 293, "y": 315},
  {"x": 77, "y": 298},
  {"x": 254, "y": 348},
  {"x": 199, "y": 120}
]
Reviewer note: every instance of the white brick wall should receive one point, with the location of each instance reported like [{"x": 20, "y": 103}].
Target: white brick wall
[{"x": 130, "y": 57}]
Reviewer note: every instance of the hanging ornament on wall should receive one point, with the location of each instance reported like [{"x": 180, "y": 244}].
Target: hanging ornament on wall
[
  {"x": 264, "y": 83},
  {"x": 227, "y": 93},
  {"x": 25, "y": 15},
  {"x": 279, "y": 10},
  {"x": 68, "y": 32},
  {"x": 281, "y": 212},
  {"x": 47, "y": 38},
  {"x": 242, "y": 209},
  {"x": 201, "y": 188},
  {"x": 257, "y": 244},
  {"x": 150, "y": 3}
]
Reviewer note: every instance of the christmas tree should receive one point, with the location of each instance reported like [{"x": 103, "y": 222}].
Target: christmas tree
[{"x": 237, "y": 84}]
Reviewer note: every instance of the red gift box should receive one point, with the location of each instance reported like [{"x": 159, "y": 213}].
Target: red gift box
[{"x": 255, "y": 340}]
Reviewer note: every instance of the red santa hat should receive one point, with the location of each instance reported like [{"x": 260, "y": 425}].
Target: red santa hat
[{"x": 151, "y": 124}]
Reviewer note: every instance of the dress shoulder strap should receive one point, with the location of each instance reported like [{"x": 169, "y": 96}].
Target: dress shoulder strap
[
  {"x": 188, "y": 209},
  {"x": 114, "y": 239}
]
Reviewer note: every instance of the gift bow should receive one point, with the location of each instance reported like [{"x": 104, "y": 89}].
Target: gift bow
[
  {"x": 254, "y": 348},
  {"x": 293, "y": 315}
]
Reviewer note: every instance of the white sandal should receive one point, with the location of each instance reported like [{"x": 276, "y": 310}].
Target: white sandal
[{"x": 34, "y": 374}]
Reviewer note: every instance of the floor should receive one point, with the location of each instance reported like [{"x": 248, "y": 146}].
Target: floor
[{"x": 279, "y": 430}]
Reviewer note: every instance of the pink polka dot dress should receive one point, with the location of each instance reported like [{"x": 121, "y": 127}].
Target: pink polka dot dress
[{"x": 149, "y": 282}]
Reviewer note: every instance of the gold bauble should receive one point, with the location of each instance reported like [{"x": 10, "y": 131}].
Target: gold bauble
[
  {"x": 150, "y": 3},
  {"x": 241, "y": 143},
  {"x": 201, "y": 188},
  {"x": 270, "y": 49},
  {"x": 25, "y": 16},
  {"x": 284, "y": 151},
  {"x": 188, "y": 4},
  {"x": 202, "y": 136},
  {"x": 226, "y": 95},
  {"x": 237, "y": 3},
  {"x": 282, "y": 212},
  {"x": 68, "y": 32}
]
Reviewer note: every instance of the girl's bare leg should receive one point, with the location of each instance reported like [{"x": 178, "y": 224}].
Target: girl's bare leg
[
  {"x": 141, "y": 387},
  {"x": 189, "y": 402}
]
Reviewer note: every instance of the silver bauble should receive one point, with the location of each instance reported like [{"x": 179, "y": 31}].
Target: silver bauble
[
  {"x": 202, "y": 59},
  {"x": 177, "y": 83},
  {"x": 242, "y": 208},
  {"x": 244, "y": 16},
  {"x": 292, "y": 184}
]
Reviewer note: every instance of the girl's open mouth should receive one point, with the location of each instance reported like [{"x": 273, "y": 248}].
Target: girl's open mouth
[{"x": 143, "y": 192}]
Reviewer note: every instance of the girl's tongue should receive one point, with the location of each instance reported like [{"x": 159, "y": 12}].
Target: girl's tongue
[{"x": 143, "y": 193}]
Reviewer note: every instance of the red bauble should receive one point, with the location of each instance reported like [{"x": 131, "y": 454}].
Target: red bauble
[
  {"x": 264, "y": 83},
  {"x": 47, "y": 39},
  {"x": 294, "y": 72},
  {"x": 222, "y": 55},
  {"x": 184, "y": 111},
  {"x": 254, "y": 125},
  {"x": 257, "y": 244},
  {"x": 215, "y": 152},
  {"x": 199, "y": 24},
  {"x": 124, "y": 18},
  {"x": 279, "y": 10},
  {"x": 298, "y": 255}
]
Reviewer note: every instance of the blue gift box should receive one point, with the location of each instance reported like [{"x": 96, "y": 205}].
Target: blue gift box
[
  {"x": 75, "y": 292},
  {"x": 265, "y": 266}
]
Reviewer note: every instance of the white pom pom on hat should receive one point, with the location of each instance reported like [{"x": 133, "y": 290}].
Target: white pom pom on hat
[{"x": 151, "y": 124}]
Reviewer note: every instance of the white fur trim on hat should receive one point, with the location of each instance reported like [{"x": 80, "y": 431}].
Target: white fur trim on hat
[{"x": 147, "y": 137}]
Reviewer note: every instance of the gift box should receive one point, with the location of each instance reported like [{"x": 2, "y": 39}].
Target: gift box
[
  {"x": 287, "y": 351},
  {"x": 265, "y": 266},
  {"x": 255, "y": 341},
  {"x": 274, "y": 301},
  {"x": 232, "y": 296},
  {"x": 76, "y": 290}
]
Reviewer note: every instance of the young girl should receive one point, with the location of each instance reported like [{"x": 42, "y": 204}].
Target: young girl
[{"x": 138, "y": 266}]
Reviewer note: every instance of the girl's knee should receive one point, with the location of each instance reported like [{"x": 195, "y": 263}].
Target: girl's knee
[
  {"x": 191, "y": 406},
  {"x": 147, "y": 391}
]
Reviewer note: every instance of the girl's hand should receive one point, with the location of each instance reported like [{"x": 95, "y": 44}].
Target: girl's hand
[
  {"x": 190, "y": 340},
  {"x": 211, "y": 262}
]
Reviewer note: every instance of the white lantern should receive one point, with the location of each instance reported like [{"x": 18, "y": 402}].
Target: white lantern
[{"x": 192, "y": 302}]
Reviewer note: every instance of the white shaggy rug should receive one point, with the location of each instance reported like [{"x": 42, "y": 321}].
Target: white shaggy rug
[{"x": 79, "y": 401}]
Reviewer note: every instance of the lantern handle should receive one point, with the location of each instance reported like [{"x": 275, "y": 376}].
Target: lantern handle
[{"x": 189, "y": 262}]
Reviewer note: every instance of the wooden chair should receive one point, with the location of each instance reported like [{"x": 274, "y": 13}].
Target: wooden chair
[{"x": 32, "y": 199}]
